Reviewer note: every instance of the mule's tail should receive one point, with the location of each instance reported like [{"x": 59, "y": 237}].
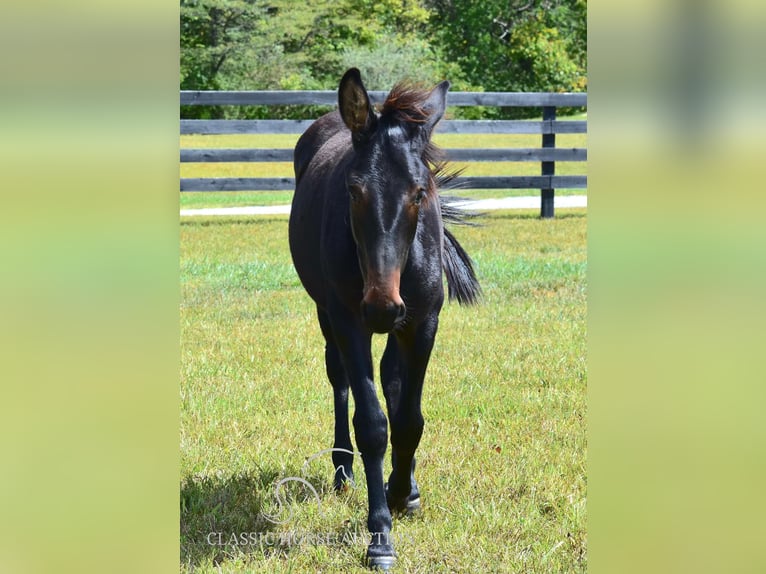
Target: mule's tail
[{"x": 462, "y": 283}]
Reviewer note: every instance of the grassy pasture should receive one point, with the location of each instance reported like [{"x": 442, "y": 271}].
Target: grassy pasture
[
  {"x": 501, "y": 465},
  {"x": 284, "y": 169}
]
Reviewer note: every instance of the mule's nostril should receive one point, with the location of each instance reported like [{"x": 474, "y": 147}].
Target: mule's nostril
[{"x": 401, "y": 312}]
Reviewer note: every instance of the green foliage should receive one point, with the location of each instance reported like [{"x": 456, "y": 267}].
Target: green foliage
[
  {"x": 392, "y": 59},
  {"x": 218, "y": 38},
  {"x": 522, "y": 45},
  {"x": 540, "y": 59},
  {"x": 491, "y": 45},
  {"x": 226, "y": 45}
]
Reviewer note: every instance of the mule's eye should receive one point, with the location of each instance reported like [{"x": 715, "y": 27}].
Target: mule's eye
[
  {"x": 420, "y": 193},
  {"x": 355, "y": 191}
]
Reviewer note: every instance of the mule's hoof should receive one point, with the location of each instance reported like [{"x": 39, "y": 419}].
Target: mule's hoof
[
  {"x": 380, "y": 557},
  {"x": 384, "y": 563},
  {"x": 412, "y": 506},
  {"x": 407, "y": 506}
]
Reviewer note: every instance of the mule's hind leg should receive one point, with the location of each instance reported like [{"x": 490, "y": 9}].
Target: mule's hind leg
[
  {"x": 403, "y": 370},
  {"x": 342, "y": 461}
]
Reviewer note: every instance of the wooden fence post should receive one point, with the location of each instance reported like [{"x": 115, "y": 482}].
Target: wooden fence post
[{"x": 548, "y": 167}]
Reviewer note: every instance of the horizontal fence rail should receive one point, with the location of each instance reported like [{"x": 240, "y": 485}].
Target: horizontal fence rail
[
  {"x": 468, "y": 182},
  {"x": 330, "y": 98},
  {"x": 219, "y": 127},
  {"x": 547, "y": 155},
  {"x": 452, "y": 154}
]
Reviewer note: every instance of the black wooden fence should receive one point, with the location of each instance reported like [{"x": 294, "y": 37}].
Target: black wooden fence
[{"x": 548, "y": 154}]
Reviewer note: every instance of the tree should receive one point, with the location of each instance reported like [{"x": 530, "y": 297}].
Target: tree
[
  {"x": 495, "y": 45},
  {"x": 283, "y": 44},
  {"x": 218, "y": 37},
  {"x": 516, "y": 45}
]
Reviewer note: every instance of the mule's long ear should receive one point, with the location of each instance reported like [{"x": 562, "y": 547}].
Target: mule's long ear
[
  {"x": 355, "y": 107},
  {"x": 435, "y": 105}
]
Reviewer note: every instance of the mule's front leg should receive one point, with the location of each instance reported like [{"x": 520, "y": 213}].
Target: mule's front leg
[
  {"x": 371, "y": 430},
  {"x": 403, "y": 371},
  {"x": 370, "y": 427}
]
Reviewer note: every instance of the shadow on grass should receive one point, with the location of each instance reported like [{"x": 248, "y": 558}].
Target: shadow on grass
[{"x": 223, "y": 517}]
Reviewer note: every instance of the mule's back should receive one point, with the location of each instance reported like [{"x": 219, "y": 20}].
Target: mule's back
[
  {"x": 317, "y": 153},
  {"x": 312, "y": 140}
]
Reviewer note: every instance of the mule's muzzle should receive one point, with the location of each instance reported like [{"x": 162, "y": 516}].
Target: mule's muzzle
[
  {"x": 382, "y": 307},
  {"x": 383, "y": 316}
]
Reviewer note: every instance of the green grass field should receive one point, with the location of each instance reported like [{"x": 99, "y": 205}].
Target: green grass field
[
  {"x": 501, "y": 465},
  {"x": 285, "y": 169}
]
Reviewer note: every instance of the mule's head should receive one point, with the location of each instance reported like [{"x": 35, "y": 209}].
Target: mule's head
[{"x": 389, "y": 181}]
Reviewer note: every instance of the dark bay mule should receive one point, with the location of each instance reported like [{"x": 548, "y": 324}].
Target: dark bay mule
[{"x": 368, "y": 241}]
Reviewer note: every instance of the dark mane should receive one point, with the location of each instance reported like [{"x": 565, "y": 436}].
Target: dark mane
[{"x": 404, "y": 105}]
